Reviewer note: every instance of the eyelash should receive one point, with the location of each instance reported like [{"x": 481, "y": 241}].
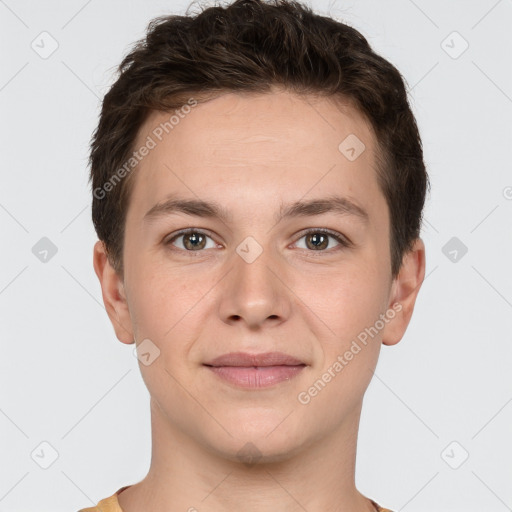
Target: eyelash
[{"x": 343, "y": 242}]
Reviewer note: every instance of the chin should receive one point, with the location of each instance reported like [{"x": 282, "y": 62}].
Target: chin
[
  {"x": 265, "y": 441},
  {"x": 259, "y": 452}
]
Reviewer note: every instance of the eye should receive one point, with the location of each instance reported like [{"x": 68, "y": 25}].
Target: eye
[
  {"x": 318, "y": 239},
  {"x": 193, "y": 240}
]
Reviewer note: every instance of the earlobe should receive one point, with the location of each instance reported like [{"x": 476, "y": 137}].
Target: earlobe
[
  {"x": 404, "y": 292},
  {"x": 114, "y": 296}
]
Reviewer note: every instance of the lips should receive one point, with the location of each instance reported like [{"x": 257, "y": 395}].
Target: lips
[
  {"x": 247, "y": 360},
  {"x": 252, "y": 371}
]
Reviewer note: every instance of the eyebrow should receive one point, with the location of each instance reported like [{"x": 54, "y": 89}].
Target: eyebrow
[{"x": 211, "y": 209}]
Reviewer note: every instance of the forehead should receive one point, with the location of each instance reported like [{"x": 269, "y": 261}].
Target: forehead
[
  {"x": 265, "y": 145},
  {"x": 241, "y": 119}
]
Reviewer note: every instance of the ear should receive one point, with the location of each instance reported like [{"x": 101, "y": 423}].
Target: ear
[
  {"x": 114, "y": 297},
  {"x": 404, "y": 291}
]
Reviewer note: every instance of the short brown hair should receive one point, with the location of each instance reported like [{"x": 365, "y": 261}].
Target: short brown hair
[{"x": 254, "y": 46}]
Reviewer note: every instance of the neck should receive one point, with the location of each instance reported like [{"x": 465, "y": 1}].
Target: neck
[{"x": 186, "y": 476}]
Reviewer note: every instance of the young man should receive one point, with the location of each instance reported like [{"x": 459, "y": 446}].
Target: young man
[{"x": 258, "y": 186}]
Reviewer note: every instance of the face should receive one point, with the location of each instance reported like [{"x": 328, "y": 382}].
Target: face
[{"x": 286, "y": 251}]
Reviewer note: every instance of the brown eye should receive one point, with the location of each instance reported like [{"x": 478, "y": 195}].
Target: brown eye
[
  {"x": 317, "y": 241},
  {"x": 320, "y": 240},
  {"x": 192, "y": 240}
]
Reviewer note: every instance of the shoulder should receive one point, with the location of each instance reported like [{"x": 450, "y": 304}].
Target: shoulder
[
  {"x": 109, "y": 504},
  {"x": 379, "y": 508}
]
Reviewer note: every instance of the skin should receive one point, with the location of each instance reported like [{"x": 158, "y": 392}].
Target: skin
[{"x": 251, "y": 153}]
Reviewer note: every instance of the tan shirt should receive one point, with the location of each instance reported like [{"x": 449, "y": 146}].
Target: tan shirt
[{"x": 112, "y": 505}]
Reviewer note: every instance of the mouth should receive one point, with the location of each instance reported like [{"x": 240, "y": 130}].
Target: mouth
[{"x": 253, "y": 371}]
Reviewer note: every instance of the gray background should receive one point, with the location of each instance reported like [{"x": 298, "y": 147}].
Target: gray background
[{"x": 442, "y": 394}]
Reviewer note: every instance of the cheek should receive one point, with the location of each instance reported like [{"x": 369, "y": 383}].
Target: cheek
[
  {"x": 163, "y": 306},
  {"x": 167, "y": 302},
  {"x": 347, "y": 301},
  {"x": 350, "y": 348}
]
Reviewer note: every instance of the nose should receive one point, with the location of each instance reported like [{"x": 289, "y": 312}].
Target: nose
[{"x": 254, "y": 292}]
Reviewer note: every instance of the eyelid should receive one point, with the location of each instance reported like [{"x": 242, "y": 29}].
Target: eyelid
[{"x": 186, "y": 231}]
